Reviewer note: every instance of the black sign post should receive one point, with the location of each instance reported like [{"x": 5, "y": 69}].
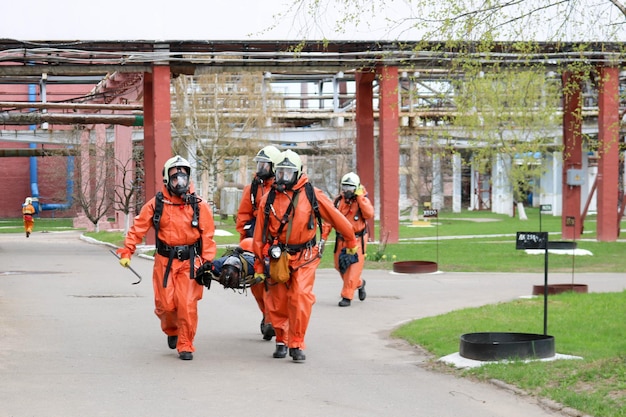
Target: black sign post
[
  {"x": 434, "y": 213},
  {"x": 542, "y": 208},
  {"x": 537, "y": 240}
]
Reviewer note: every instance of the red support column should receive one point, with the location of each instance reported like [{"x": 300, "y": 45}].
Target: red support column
[
  {"x": 389, "y": 149},
  {"x": 571, "y": 224},
  {"x": 157, "y": 142},
  {"x": 608, "y": 154},
  {"x": 365, "y": 149}
]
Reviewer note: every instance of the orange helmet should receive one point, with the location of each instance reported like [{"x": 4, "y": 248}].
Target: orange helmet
[{"x": 246, "y": 244}]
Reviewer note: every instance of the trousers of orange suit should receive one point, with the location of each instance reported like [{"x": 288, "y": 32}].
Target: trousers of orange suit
[
  {"x": 28, "y": 225},
  {"x": 258, "y": 291},
  {"x": 176, "y": 305},
  {"x": 289, "y": 305},
  {"x": 352, "y": 277}
]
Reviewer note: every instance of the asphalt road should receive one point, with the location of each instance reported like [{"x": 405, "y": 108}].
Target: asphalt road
[{"x": 77, "y": 339}]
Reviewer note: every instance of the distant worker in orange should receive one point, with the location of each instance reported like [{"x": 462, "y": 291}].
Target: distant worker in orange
[
  {"x": 286, "y": 233},
  {"x": 354, "y": 204},
  {"x": 184, "y": 240},
  {"x": 27, "y": 214},
  {"x": 247, "y": 216}
]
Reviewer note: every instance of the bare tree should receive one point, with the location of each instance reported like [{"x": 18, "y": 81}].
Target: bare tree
[
  {"x": 218, "y": 118},
  {"x": 328, "y": 161},
  {"x": 125, "y": 194},
  {"x": 96, "y": 177}
]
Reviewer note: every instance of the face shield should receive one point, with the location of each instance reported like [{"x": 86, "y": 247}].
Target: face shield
[
  {"x": 178, "y": 183},
  {"x": 347, "y": 191},
  {"x": 286, "y": 177},
  {"x": 264, "y": 170}
]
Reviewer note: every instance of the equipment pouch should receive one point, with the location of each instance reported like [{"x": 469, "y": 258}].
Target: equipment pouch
[{"x": 279, "y": 268}]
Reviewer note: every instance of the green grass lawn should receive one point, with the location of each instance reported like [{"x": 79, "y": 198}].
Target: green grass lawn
[
  {"x": 590, "y": 326},
  {"x": 466, "y": 254},
  {"x": 41, "y": 225},
  {"x": 586, "y": 325}
]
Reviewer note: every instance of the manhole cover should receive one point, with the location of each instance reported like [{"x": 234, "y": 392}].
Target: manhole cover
[
  {"x": 559, "y": 288},
  {"x": 415, "y": 267},
  {"x": 491, "y": 346}
]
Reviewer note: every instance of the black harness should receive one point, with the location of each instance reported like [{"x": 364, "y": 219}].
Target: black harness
[
  {"x": 183, "y": 252},
  {"x": 292, "y": 249},
  {"x": 360, "y": 233}
]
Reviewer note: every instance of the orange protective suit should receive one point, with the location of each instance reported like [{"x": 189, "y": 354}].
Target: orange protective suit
[
  {"x": 27, "y": 214},
  {"x": 356, "y": 210},
  {"x": 176, "y": 303},
  {"x": 248, "y": 209},
  {"x": 290, "y": 304}
]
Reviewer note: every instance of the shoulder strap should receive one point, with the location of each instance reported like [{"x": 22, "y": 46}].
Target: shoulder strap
[
  {"x": 270, "y": 200},
  {"x": 310, "y": 193},
  {"x": 336, "y": 202},
  {"x": 196, "y": 210},
  {"x": 254, "y": 187},
  {"x": 158, "y": 211}
]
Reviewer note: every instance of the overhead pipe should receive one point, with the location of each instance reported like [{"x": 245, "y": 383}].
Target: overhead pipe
[
  {"x": 34, "y": 189},
  {"x": 70, "y": 106},
  {"x": 69, "y": 119},
  {"x": 21, "y": 152}
]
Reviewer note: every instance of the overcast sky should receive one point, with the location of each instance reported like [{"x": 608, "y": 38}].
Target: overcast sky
[
  {"x": 253, "y": 19},
  {"x": 159, "y": 20}
]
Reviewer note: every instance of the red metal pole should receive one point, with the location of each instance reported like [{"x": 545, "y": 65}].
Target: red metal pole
[
  {"x": 365, "y": 149},
  {"x": 571, "y": 224},
  {"x": 608, "y": 153},
  {"x": 157, "y": 142},
  {"x": 389, "y": 149}
]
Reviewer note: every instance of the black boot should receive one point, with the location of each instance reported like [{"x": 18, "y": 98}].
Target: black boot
[
  {"x": 172, "y": 341},
  {"x": 362, "y": 293},
  {"x": 186, "y": 356},
  {"x": 344, "y": 302},
  {"x": 281, "y": 351},
  {"x": 263, "y": 325},
  {"x": 296, "y": 354},
  {"x": 268, "y": 332}
]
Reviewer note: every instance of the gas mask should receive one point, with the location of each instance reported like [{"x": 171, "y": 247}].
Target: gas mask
[
  {"x": 264, "y": 170},
  {"x": 178, "y": 183},
  {"x": 286, "y": 178},
  {"x": 348, "y": 191}
]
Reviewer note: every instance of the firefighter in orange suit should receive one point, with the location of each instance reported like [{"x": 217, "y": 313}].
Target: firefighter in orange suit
[
  {"x": 184, "y": 229},
  {"x": 286, "y": 231},
  {"x": 247, "y": 215},
  {"x": 354, "y": 204},
  {"x": 28, "y": 211}
]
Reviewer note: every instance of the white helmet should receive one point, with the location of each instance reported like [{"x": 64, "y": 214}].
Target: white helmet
[
  {"x": 351, "y": 179},
  {"x": 182, "y": 178},
  {"x": 288, "y": 170},
  {"x": 269, "y": 154},
  {"x": 349, "y": 183},
  {"x": 28, "y": 200}
]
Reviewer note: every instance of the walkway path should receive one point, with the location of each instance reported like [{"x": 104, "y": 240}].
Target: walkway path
[{"x": 77, "y": 339}]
